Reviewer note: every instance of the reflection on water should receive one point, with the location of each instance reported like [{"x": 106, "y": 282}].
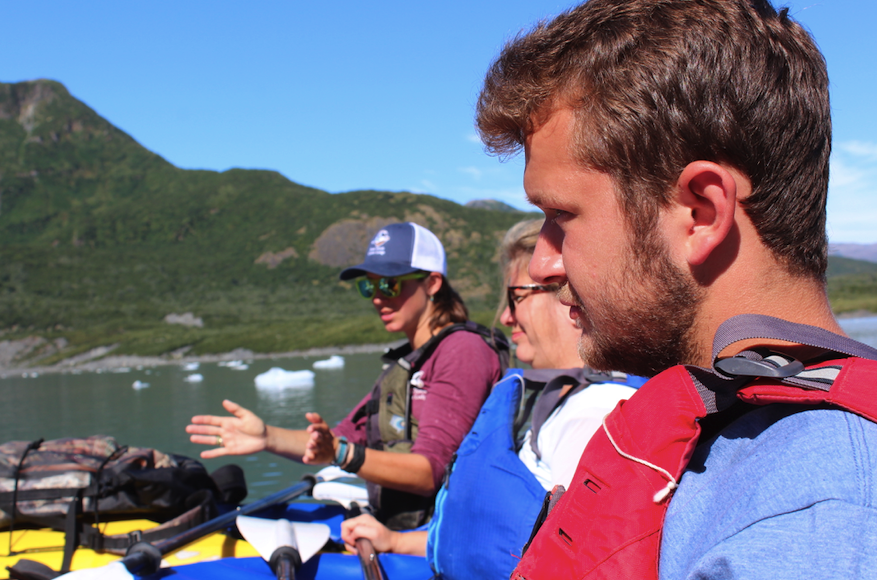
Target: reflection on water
[
  {"x": 55, "y": 405},
  {"x": 862, "y": 329}
]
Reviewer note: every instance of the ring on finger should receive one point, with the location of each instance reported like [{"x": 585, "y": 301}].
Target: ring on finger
[{"x": 219, "y": 441}]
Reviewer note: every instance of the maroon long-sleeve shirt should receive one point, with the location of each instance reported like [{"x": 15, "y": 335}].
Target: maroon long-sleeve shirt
[{"x": 456, "y": 381}]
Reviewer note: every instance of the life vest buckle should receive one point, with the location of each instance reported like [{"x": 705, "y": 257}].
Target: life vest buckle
[{"x": 773, "y": 365}]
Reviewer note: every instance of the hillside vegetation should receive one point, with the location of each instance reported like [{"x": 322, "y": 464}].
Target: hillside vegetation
[{"x": 100, "y": 239}]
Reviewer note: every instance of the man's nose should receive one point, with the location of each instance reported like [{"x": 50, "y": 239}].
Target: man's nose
[{"x": 546, "y": 265}]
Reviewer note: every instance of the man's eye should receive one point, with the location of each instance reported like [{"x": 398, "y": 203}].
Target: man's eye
[
  {"x": 516, "y": 299},
  {"x": 556, "y": 214}
]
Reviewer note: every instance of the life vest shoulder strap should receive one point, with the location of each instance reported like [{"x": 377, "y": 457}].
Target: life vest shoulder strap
[{"x": 850, "y": 385}]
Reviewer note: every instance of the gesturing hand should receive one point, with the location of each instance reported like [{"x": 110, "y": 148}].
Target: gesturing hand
[
  {"x": 320, "y": 448},
  {"x": 241, "y": 434}
]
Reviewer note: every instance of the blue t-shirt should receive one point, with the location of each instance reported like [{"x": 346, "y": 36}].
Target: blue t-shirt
[{"x": 779, "y": 494}]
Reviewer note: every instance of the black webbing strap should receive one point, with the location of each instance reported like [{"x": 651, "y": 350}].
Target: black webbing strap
[
  {"x": 545, "y": 386},
  {"x": 71, "y": 532},
  {"x": 91, "y": 537},
  {"x": 31, "y": 446},
  {"x": 525, "y": 414},
  {"x": 97, "y": 480},
  {"x": 718, "y": 386},
  {"x": 494, "y": 338},
  {"x": 747, "y": 326}
]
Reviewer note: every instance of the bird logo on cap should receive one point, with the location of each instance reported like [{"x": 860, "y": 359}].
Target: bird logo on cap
[{"x": 377, "y": 244}]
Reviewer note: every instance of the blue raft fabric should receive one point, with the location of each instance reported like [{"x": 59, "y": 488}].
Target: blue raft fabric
[
  {"x": 330, "y": 514},
  {"x": 320, "y": 567}
]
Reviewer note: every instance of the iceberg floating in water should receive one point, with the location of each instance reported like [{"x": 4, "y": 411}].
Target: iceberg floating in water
[
  {"x": 139, "y": 385},
  {"x": 333, "y": 362},
  {"x": 192, "y": 366},
  {"x": 278, "y": 378},
  {"x": 235, "y": 365},
  {"x": 195, "y": 378}
]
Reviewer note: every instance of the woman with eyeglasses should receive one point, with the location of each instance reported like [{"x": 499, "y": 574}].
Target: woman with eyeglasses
[
  {"x": 498, "y": 482},
  {"x": 402, "y": 435}
]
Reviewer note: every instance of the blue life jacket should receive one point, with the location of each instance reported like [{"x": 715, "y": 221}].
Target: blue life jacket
[{"x": 486, "y": 508}]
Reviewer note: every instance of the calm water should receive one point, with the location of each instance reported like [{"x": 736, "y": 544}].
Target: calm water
[
  {"x": 55, "y": 405},
  {"x": 52, "y": 406}
]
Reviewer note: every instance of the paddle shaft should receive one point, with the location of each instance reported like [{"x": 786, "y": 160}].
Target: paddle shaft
[
  {"x": 143, "y": 558},
  {"x": 371, "y": 569},
  {"x": 286, "y": 570},
  {"x": 285, "y": 561}
]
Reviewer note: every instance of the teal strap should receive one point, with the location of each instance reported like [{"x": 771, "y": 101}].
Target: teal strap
[{"x": 341, "y": 455}]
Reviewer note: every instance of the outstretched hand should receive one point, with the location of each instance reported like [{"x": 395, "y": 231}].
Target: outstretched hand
[
  {"x": 241, "y": 434},
  {"x": 320, "y": 448},
  {"x": 366, "y": 526}
]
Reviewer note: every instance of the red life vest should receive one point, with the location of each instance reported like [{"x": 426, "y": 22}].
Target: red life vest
[{"x": 608, "y": 524}]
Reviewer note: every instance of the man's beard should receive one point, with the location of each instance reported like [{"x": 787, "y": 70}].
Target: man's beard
[{"x": 642, "y": 323}]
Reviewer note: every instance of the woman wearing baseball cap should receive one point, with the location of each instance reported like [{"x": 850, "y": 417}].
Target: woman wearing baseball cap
[
  {"x": 402, "y": 435},
  {"x": 476, "y": 536}
]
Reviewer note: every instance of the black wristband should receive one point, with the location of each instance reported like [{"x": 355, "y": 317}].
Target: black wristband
[{"x": 355, "y": 463}]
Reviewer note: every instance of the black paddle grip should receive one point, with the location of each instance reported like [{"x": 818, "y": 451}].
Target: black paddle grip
[
  {"x": 142, "y": 559},
  {"x": 285, "y": 560}
]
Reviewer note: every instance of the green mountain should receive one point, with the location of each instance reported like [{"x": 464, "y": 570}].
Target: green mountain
[
  {"x": 491, "y": 204},
  {"x": 840, "y": 266},
  {"x": 101, "y": 239},
  {"x": 852, "y": 285}
]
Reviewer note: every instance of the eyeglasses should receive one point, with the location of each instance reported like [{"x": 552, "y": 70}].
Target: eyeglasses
[
  {"x": 515, "y": 297},
  {"x": 389, "y": 287}
]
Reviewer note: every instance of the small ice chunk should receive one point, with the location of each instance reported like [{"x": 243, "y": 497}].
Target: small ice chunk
[
  {"x": 235, "y": 365},
  {"x": 192, "y": 366},
  {"x": 194, "y": 378},
  {"x": 333, "y": 362},
  {"x": 278, "y": 378},
  {"x": 138, "y": 384}
]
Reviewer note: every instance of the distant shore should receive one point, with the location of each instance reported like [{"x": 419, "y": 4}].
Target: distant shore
[
  {"x": 855, "y": 314},
  {"x": 101, "y": 358},
  {"x": 86, "y": 363}
]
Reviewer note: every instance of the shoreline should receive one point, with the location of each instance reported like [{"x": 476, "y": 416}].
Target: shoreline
[
  {"x": 101, "y": 358},
  {"x": 86, "y": 363}
]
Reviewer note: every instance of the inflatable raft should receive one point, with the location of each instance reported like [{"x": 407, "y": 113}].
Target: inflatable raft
[
  {"x": 325, "y": 565},
  {"x": 220, "y": 554}
]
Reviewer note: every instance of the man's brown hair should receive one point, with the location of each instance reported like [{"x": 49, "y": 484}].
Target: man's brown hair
[{"x": 658, "y": 84}]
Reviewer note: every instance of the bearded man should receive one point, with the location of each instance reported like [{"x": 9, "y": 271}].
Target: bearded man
[{"x": 679, "y": 150}]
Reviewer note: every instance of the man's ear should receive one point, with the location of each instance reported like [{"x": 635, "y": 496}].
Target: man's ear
[{"x": 703, "y": 213}]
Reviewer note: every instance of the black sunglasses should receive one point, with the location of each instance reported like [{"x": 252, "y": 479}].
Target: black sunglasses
[
  {"x": 389, "y": 286},
  {"x": 515, "y": 297}
]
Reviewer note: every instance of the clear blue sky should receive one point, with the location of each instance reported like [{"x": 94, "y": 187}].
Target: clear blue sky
[{"x": 363, "y": 95}]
